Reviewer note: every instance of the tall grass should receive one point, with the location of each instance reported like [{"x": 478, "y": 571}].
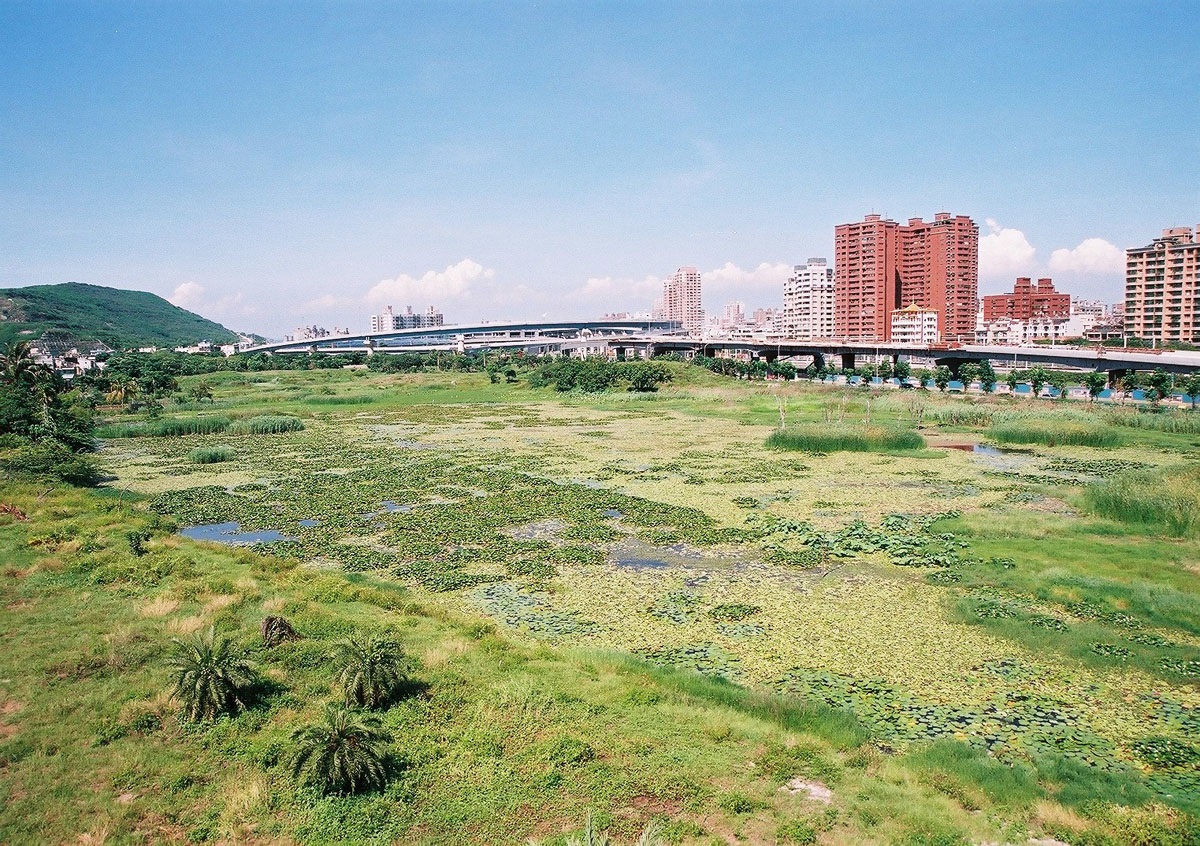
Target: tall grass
[
  {"x": 1054, "y": 427},
  {"x": 964, "y": 416},
  {"x": 349, "y": 399},
  {"x": 268, "y": 424},
  {"x": 1174, "y": 422},
  {"x": 1164, "y": 497},
  {"x": 166, "y": 427},
  {"x": 844, "y": 437},
  {"x": 211, "y": 455}
]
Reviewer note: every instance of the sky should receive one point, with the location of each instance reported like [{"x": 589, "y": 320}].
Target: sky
[{"x": 274, "y": 165}]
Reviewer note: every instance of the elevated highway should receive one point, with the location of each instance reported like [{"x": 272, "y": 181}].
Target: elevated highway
[
  {"x": 643, "y": 337},
  {"x": 953, "y": 356},
  {"x": 474, "y": 336}
]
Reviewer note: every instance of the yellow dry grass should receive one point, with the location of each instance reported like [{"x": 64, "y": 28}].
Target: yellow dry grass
[{"x": 160, "y": 606}]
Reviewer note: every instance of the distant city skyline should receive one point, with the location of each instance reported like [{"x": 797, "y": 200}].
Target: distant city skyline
[{"x": 270, "y": 170}]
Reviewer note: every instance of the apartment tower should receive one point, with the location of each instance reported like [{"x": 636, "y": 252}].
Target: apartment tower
[
  {"x": 1162, "y": 288},
  {"x": 808, "y": 301},
  {"x": 681, "y": 299},
  {"x": 882, "y": 266}
]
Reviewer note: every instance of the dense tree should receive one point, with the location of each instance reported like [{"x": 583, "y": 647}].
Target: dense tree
[
  {"x": 1095, "y": 384},
  {"x": 1190, "y": 385},
  {"x": 987, "y": 376},
  {"x": 211, "y": 676},
  {"x": 1159, "y": 383},
  {"x": 1037, "y": 377},
  {"x": 941, "y": 377},
  {"x": 43, "y": 424},
  {"x": 344, "y": 753}
]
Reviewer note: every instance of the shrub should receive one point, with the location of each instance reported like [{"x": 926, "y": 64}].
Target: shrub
[
  {"x": 211, "y": 455},
  {"x": 268, "y": 424},
  {"x": 49, "y": 459},
  {"x": 844, "y": 438},
  {"x": 212, "y": 677},
  {"x": 344, "y": 753}
]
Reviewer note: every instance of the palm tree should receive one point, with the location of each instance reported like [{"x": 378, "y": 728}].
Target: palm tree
[
  {"x": 17, "y": 363},
  {"x": 344, "y": 753},
  {"x": 371, "y": 670},
  {"x": 212, "y": 677},
  {"x": 121, "y": 390}
]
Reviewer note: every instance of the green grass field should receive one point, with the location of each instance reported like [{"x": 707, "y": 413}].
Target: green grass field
[{"x": 621, "y": 605}]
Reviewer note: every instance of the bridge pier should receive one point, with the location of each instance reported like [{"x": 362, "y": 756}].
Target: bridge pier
[
  {"x": 847, "y": 361},
  {"x": 1115, "y": 376}
]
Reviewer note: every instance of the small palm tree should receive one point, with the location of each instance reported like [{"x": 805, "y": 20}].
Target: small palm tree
[
  {"x": 344, "y": 753},
  {"x": 212, "y": 677},
  {"x": 592, "y": 837},
  {"x": 371, "y": 670},
  {"x": 123, "y": 389}
]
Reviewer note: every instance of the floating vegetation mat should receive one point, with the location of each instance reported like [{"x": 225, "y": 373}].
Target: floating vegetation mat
[{"x": 683, "y": 540}]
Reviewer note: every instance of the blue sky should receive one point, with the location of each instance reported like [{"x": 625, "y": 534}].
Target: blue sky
[{"x": 274, "y": 165}]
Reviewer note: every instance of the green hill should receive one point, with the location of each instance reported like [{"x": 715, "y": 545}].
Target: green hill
[{"x": 75, "y": 314}]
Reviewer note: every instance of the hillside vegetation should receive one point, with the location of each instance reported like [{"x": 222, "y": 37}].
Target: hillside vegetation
[{"x": 78, "y": 315}]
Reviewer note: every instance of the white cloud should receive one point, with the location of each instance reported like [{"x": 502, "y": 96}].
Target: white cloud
[
  {"x": 456, "y": 282},
  {"x": 620, "y": 293},
  {"x": 1092, "y": 256},
  {"x": 194, "y": 297},
  {"x": 1005, "y": 254},
  {"x": 188, "y": 295},
  {"x": 760, "y": 286}
]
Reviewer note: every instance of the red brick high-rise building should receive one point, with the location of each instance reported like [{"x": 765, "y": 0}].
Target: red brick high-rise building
[
  {"x": 881, "y": 266},
  {"x": 1028, "y": 300}
]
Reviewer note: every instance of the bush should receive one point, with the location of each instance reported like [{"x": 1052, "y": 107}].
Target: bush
[
  {"x": 844, "y": 438},
  {"x": 51, "y": 459},
  {"x": 211, "y": 455},
  {"x": 268, "y": 424}
]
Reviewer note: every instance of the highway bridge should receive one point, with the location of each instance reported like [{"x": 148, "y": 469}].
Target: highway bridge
[
  {"x": 532, "y": 337},
  {"x": 653, "y": 337}
]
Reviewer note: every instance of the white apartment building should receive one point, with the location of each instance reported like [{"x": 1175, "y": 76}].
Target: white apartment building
[
  {"x": 681, "y": 300},
  {"x": 389, "y": 321},
  {"x": 915, "y": 325},
  {"x": 808, "y": 301},
  {"x": 1162, "y": 288}
]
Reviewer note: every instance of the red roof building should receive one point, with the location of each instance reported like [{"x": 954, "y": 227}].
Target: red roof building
[{"x": 1027, "y": 301}]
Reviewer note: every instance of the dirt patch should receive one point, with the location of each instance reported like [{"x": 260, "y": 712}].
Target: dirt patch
[{"x": 813, "y": 790}]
